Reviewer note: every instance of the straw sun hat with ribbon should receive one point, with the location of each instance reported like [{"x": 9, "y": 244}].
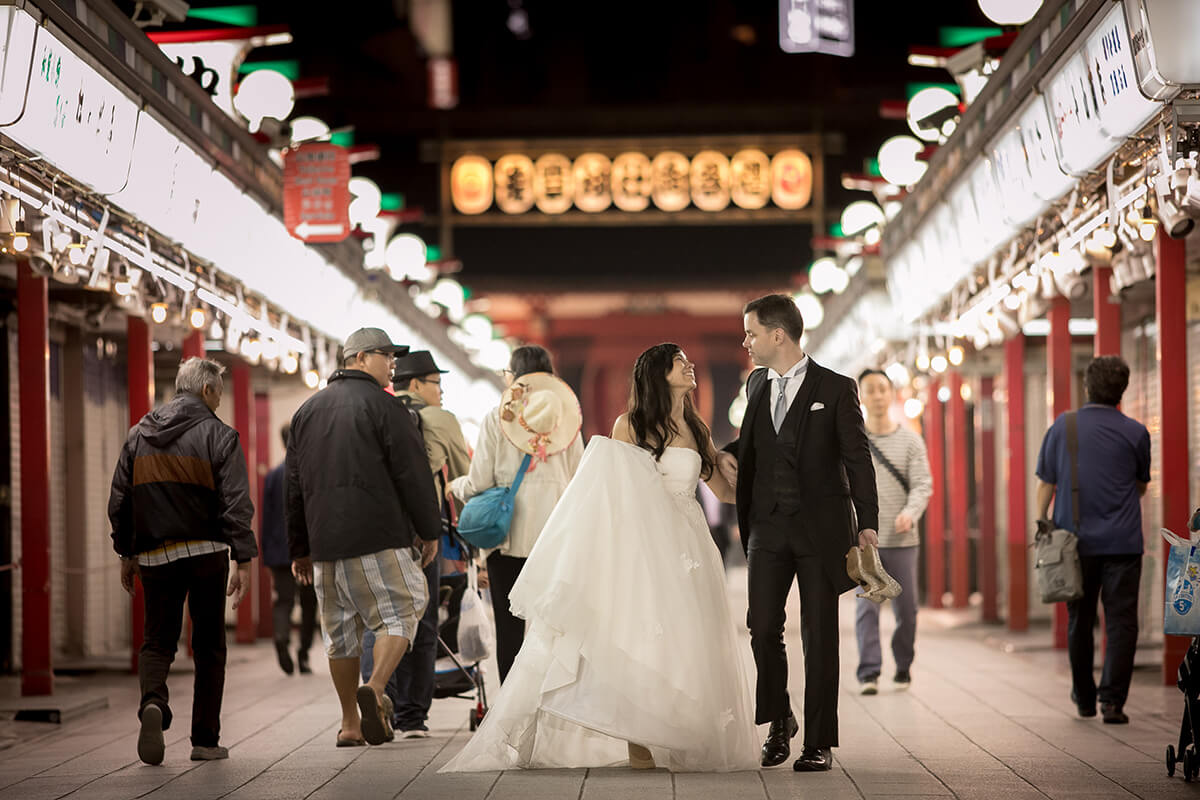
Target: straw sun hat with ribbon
[{"x": 540, "y": 415}]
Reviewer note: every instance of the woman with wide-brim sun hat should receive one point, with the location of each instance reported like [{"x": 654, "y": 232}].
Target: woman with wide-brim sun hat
[{"x": 538, "y": 415}]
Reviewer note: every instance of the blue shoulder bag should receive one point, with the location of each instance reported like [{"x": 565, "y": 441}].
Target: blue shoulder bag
[{"x": 486, "y": 517}]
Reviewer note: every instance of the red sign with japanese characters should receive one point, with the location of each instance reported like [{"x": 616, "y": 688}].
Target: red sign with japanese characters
[{"x": 316, "y": 193}]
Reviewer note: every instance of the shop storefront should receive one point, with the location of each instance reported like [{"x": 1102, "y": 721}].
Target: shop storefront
[
  {"x": 139, "y": 223},
  {"x": 1051, "y": 226}
]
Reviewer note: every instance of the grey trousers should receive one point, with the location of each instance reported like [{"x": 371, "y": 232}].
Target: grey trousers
[{"x": 901, "y": 564}]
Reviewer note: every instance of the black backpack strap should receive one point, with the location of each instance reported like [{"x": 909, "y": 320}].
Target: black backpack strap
[
  {"x": 888, "y": 465},
  {"x": 1072, "y": 422},
  {"x": 407, "y": 402}
]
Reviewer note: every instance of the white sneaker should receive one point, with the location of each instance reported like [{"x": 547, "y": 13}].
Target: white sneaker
[
  {"x": 869, "y": 687},
  {"x": 418, "y": 733}
]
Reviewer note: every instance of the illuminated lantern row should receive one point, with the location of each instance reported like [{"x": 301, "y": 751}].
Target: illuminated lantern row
[{"x": 593, "y": 183}]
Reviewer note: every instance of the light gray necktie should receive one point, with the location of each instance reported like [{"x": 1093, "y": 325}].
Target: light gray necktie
[{"x": 781, "y": 403}]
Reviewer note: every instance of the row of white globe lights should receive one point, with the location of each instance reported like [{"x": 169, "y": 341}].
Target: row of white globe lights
[
  {"x": 899, "y": 164},
  {"x": 267, "y": 93}
]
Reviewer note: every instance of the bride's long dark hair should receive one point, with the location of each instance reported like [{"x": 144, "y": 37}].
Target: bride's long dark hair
[{"x": 650, "y": 407}]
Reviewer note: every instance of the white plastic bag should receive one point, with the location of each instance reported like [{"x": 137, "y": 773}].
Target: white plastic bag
[
  {"x": 1181, "y": 612},
  {"x": 476, "y": 637}
]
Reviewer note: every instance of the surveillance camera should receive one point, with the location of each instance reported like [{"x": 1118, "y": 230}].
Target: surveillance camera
[{"x": 159, "y": 11}]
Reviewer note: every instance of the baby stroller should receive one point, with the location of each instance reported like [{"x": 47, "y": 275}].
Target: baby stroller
[
  {"x": 453, "y": 676},
  {"x": 1188, "y": 683}
]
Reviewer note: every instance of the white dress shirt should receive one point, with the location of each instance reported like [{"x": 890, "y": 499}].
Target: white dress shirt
[{"x": 795, "y": 377}]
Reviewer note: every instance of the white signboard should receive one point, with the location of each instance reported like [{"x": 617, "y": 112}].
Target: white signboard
[
  {"x": 817, "y": 26},
  {"x": 1093, "y": 98},
  {"x": 1162, "y": 36},
  {"x": 962, "y": 210},
  {"x": 74, "y": 117},
  {"x": 1049, "y": 182},
  {"x": 15, "y": 58},
  {"x": 213, "y": 65},
  {"x": 1026, "y": 166},
  {"x": 993, "y": 229},
  {"x": 952, "y": 264}
]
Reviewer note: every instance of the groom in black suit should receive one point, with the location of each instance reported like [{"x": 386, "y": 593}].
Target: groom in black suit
[{"x": 805, "y": 496}]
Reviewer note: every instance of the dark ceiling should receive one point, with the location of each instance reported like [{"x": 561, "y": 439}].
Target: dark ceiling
[{"x": 619, "y": 68}]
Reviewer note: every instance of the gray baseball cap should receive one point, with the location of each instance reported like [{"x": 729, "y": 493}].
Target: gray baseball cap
[{"x": 365, "y": 339}]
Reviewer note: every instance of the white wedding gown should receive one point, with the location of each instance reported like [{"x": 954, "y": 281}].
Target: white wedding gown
[{"x": 629, "y": 636}]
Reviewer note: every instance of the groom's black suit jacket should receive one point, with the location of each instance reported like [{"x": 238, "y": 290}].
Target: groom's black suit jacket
[{"x": 833, "y": 468}]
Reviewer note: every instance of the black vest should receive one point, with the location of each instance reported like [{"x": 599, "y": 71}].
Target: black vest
[{"x": 776, "y": 471}]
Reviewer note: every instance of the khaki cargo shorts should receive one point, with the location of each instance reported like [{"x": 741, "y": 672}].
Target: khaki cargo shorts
[{"x": 383, "y": 592}]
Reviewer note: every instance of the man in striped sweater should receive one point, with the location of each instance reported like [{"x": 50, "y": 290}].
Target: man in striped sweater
[{"x": 904, "y": 487}]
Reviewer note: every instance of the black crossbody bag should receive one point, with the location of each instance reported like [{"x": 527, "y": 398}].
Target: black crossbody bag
[{"x": 888, "y": 465}]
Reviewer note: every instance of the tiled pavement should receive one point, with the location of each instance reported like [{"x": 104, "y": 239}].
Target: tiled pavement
[{"x": 981, "y": 721}]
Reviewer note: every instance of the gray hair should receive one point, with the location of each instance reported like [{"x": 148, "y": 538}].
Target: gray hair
[{"x": 196, "y": 373}]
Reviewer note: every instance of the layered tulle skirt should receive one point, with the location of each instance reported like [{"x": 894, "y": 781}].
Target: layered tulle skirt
[{"x": 630, "y": 637}]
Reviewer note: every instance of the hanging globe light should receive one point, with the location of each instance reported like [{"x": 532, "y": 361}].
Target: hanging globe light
[
  {"x": 1009, "y": 12},
  {"x": 926, "y": 103},
  {"x": 264, "y": 93},
  {"x": 898, "y": 161}
]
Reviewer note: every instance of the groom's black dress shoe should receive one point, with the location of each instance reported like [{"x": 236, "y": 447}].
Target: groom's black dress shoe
[
  {"x": 814, "y": 759},
  {"x": 778, "y": 747}
]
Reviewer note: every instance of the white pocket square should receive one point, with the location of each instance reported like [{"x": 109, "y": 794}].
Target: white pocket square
[{"x": 817, "y": 406}]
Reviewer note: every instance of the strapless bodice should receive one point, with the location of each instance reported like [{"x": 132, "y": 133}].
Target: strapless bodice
[{"x": 680, "y": 470}]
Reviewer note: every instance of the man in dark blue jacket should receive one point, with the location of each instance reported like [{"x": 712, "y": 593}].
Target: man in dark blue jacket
[
  {"x": 275, "y": 555},
  {"x": 363, "y": 521},
  {"x": 180, "y": 511}
]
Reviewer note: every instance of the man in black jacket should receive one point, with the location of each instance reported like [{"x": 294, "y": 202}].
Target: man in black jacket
[
  {"x": 805, "y": 495},
  {"x": 180, "y": 510},
  {"x": 363, "y": 521}
]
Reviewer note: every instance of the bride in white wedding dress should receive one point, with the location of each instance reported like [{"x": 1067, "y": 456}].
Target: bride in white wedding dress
[{"x": 631, "y": 655}]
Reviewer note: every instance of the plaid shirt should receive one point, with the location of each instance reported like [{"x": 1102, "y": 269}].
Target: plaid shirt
[{"x": 174, "y": 551}]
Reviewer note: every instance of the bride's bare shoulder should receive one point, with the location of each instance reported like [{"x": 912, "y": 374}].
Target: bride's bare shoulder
[{"x": 621, "y": 430}]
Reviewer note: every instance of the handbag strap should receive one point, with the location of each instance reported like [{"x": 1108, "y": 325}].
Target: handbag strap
[
  {"x": 449, "y": 503},
  {"x": 520, "y": 474},
  {"x": 888, "y": 465},
  {"x": 1072, "y": 422}
]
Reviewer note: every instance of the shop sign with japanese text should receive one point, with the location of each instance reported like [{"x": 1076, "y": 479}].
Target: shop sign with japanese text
[
  {"x": 316, "y": 194},
  {"x": 70, "y": 114},
  {"x": 1093, "y": 98}
]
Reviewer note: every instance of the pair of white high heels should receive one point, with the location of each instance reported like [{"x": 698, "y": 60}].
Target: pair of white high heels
[{"x": 866, "y": 569}]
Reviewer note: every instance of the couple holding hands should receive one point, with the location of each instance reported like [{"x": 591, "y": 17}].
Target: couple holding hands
[{"x": 631, "y": 655}]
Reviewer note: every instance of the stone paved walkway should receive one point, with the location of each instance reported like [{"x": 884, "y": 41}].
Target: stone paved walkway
[{"x": 981, "y": 721}]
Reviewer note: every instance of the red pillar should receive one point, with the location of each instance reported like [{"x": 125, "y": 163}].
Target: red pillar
[
  {"x": 956, "y": 435},
  {"x": 243, "y": 420},
  {"x": 1170, "y": 305},
  {"x": 1107, "y": 311},
  {"x": 193, "y": 344},
  {"x": 262, "y": 464},
  {"x": 1015, "y": 480},
  {"x": 1060, "y": 376},
  {"x": 33, "y": 370},
  {"x": 140, "y": 382},
  {"x": 986, "y": 561},
  {"x": 935, "y": 516}
]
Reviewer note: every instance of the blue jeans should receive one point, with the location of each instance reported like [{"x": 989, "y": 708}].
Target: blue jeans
[
  {"x": 901, "y": 564},
  {"x": 410, "y": 687}
]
